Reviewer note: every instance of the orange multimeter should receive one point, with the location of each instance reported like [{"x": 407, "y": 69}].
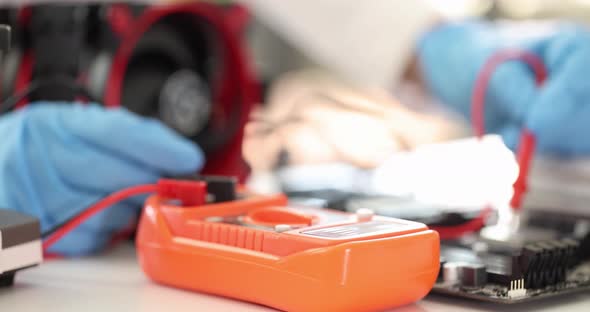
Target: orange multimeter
[{"x": 255, "y": 248}]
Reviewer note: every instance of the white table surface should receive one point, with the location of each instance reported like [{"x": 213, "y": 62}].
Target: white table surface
[{"x": 114, "y": 282}]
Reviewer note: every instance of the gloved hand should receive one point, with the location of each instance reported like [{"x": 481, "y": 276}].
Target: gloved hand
[
  {"x": 57, "y": 159},
  {"x": 558, "y": 113}
]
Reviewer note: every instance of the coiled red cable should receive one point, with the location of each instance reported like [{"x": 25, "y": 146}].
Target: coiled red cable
[{"x": 526, "y": 145}]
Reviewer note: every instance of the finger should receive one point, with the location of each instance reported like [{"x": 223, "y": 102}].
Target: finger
[
  {"x": 68, "y": 159},
  {"x": 87, "y": 167},
  {"x": 513, "y": 88},
  {"x": 560, "y": 116},
  {"x": 140, "y": 139},
  {"x": 511, "y": 135},
  {"x": 451, "y": 70}
]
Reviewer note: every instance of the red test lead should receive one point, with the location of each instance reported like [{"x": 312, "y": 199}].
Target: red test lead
[
  {"x": 187, "y": 192},
  {"x": 526, "y": 145}
]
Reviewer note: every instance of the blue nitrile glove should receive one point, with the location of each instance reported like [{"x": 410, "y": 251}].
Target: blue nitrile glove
[
  {"x": 559, "y": 113},
  {"x": 57, "y": 159}
]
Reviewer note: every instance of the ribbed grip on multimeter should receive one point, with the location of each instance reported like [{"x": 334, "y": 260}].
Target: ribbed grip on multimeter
[{"x": 230, "y": 235}]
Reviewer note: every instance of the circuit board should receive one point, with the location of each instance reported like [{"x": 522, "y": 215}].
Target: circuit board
[
  {"x": 538, "y": 270},
  {"x": 579, "y": 282}
]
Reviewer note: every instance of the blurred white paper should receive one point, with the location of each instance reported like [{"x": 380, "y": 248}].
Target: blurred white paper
[{"x": 462, "y": 173}]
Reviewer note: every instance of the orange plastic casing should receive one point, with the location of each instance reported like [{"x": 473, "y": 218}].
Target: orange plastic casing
[{"x": 292, "y": 270}]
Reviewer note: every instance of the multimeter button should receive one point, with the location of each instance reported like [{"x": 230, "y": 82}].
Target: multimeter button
[
  {"x": 282, "y": 228},
  {"x": 364, "y": 215},
  {"x": 215, "y": 219}
]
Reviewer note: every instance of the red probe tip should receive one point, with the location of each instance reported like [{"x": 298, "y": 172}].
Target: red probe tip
[{"x": 526, "y": 150}]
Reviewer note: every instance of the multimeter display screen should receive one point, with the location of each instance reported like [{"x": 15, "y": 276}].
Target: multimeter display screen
[{"x": 358, "y": 229}]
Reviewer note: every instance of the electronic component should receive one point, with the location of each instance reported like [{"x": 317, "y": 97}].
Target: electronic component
[
  {"x": 473, "y": 275},
  {"x": 222, "y": 189},
  {"x": 517, "y": 289},
  {"x": 256, "y": 248},
  {"x": 463, "y": 273},
  {"x": 584, "y": 248},
  {"x": 219, "y": 188},
  {"x": 20, "y": 244},
  {"x": 452, "y": 272}
]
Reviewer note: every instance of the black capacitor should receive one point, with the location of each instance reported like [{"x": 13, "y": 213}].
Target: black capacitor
[
  {"x": 530, "y": 262},
  {"x": 561, "y": 260},
  {"x": 572, "y": 252},
  {"x": 442, "y": 262},
  {"x": 583, "y": 250},
  {"x": 548, "y": 270},
  {"x": 473, "y": 275}
]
